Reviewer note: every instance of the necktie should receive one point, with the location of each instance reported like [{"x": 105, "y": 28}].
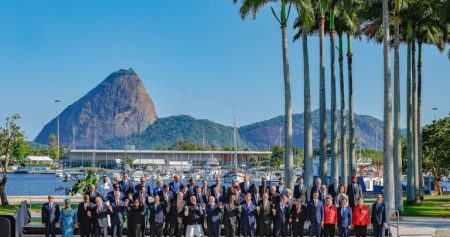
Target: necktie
[
  {"x": 117, "y": 202},
  {"x": 50, "y": 206},
  {"x": 178, "y": 204},
  {"x": 315, "y": 203}
]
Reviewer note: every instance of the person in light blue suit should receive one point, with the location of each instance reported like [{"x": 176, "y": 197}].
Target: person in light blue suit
[
  {"x": 125, "y": 185},
  {"x": 175, "y": 185},
  {"x": 344, "y": 218},
  {"x": 248, "y": 212},
  {"x": 315, "y": 215}
]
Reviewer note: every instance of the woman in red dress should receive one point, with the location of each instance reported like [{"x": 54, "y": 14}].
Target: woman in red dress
[
  {"x": 361, "y": 218},
  {"x": 329, "y": 217}
]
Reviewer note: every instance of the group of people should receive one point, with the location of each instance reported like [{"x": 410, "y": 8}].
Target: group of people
[{"x": 243, "y": 209}]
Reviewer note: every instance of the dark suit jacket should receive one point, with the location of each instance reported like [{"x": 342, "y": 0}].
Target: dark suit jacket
[
  {"x": 176, "y": 214},
  {"x": 117, "y": 213},
  {"x": 92, "y": 196},
  {"x": 110, "y": 196},
  {"x": 126, "y": 187},
  {"x": 281, "y": 216},
  {"x": 82, "y": 213},
  {"x": 250, "y": 187},
  {"x": 158, "y": 212},
  {"x": 100, "y": 216},
  {"x": 212, "y": 214},
  {"x": 265, "y": 212},
  {"x": 300, "y": 216},
  {"x": 301, "y": 193},
  {"x": 248, "y": 213},
  {"x": 50, "y": 215},
  {"x": 148, "y": 190},
  {"x": 274, "y": 198},
  {"x": 281, "y": 190},
  {"x": 206, "y": 193},
  {"x": 222, "y": 189},
  {"x": 263, "y": 189},
  {"x": 314, "y": 188},
  {"x": 380, "y": 215},
  {"x": 344, "y": 216},
  {"x": 256, "y": 198},
  {"x": 230, "y": 214},
  {"x": 353, "y": 194},
  {"x": 169, "y": 195},
  {"x": 315, "y": 213},
  {"x": 332, "y": 191}
]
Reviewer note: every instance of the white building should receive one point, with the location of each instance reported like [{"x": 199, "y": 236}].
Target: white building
[{"x": 39, "y": 159}]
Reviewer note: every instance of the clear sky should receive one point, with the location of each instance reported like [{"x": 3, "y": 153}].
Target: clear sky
[{"x": 195, "y": 57}]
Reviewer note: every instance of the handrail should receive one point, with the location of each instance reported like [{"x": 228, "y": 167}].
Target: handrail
[{"x": 397, "y": 214}]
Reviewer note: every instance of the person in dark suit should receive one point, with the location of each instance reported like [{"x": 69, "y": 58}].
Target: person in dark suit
[
  {"x": 300, "y": 190},
  {"x": 316, "y": 187},
  {"x": 230, "y": 217},
  {"x": 142, "y": 184},
  {"x": 333, "y": 189},
  {"x": 192, "y": 220},
  {"x": 315, "y": 215},
  {"x": 264, "y": 215},
  {"x": 274, "y": 197},
  {"x": 354, "y": 191},
  {"x": 246, "y": 186},
  {"x": 111, "y": 195},
  {"x": 165, "y": 194},
  {"x": 159, "y": 187},
  {"x": 220, "y": 186},
  {"x": 125, "y": 185},
  {"x": 135, "y": 219},
  {"x": 50, "y": 216},
  {"x": 158, "y": 211},
  {"x": 239, "y": 196},
  {"x": 256, "y": 197},
  {"x": 344, "y": 218},
  {"x": 263, "y": 188},
  {"x": 191, "y": 186},
  {"x": 100, "y": 218},
  {"x": 212, "y": 213},
  {"x": 93, "y": 194},
  {"x": 206, "y": 191},
  {"x": 141, "y": 195},
  {"x": 176, "y": 216},
  {"x": 219, "y": 197},
  {"x": 116, "y": 208},
  {"x": 323, "y": 193},
  {"x": 281, "y": 186},
  {"x": 176, "y": 185},
  {"x": 298, "y": 217},
  {"x": 84, "y": 213},
  {"x": 380, "y": 216},
  {"x": 230, "y": 190},
  {"x": 281, "y": 213},
  {"x": 248, "y": 216}
]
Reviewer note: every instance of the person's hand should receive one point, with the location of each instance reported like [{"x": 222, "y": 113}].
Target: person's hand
[
  {"x": 130, "y": 196},
  {"x": 220, "y": 205},
  {"x": 258, "y": 208},
  {"x": 309, "y": 223},
  {"x": 350, "y": 227},
  {"x": 88, "y": 213},
  {"x": 321, "y": 224},
  {"x": 385, "y": 225},
  {"x": 127, "y": 201},
  {"x": 290, "y": 220},
  {"x": 274, "y": 212},
  {"x": 336, "y": 226},
  {"x": 203, "y": 205}
]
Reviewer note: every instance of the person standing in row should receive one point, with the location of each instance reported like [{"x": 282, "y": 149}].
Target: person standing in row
[
  {"x": 230, "y": 217},
  {"x": 298, "y": 217},
  {"x": 135, "y": 219},
  {"x": 125, "y": 185},
  {"x": 264, "y": 215},
  {"x": 300, "y": 190},
  {"x": 50, "y": 216},
  {"x": 212, "y": 213},
  {"x": 354, "y": 191},
  {"x": 361, "y": 218},
  {"x": 315, "y": 215},
  {"x": 344, "y": 218},
  {"x": 333, "y": 189},
  {"x": 158, "y": 210},
  {"x": 380, "y": 216},
  {"x": 100, "y": 218},
  {"x": 68, "y": 219},
  {"x": 330, "y": 213},
  {"x": 281, "y": 216},
  {"x": 84, "y": 217},
  {"x": 341, "y": 194},
  {"x": 248, "y": 212},
  {"x": 117, "y": 208}
]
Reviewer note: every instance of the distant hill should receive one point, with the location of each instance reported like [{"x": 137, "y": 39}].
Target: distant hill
[{"x": 117, "y": 107}]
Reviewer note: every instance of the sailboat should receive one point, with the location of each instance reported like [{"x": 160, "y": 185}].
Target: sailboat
[{"x": 234, "y": 173}]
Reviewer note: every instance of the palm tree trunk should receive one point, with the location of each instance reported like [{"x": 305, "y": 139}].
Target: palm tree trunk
[
  {"x": 414, "y": 118},
  {"x": 334, "y": 132},
  {"x": 351, "y": 122},
  {"x": 410, "y": 169},
  {"x": 323, "y": 171},
  {"x": 288, "y": 153},
  {"x": 344, "y": 163},
  {"x": 388, "y": 169},
  {"x": 3, "y": 197},
  {"x": 397, "y": 121},
  {"x": 308, "y": 174},
  {"x": 419, "y": 120}
]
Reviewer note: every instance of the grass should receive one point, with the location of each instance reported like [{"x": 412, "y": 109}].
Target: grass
[
  {"x": 432, "y": 206},
  {"x": 8, "y": 210}
]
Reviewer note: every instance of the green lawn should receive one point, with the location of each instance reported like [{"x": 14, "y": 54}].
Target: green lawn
[
  {"x": 8, "y": 210},
  {"x": 437, "y": 206}
]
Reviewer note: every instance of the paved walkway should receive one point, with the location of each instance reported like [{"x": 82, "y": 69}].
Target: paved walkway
[{"x": 422, "y": 226}]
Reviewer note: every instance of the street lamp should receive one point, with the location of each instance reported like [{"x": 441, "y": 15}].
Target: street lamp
[
  {"x": 435, "y": 109},
  {"x": 57, "y": 101}
]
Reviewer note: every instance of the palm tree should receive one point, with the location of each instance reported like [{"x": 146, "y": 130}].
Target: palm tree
[
  {"x": 253, "y": 6},
  {"x": 414, "y": 114},
  {"x": 303, "y": 23},
  {"x": 334, "y": 133},
  {"x": 388, "y": 171},
  {"x": 397, "y": 114},
  {"x": 323, "y": 168},
  {"x": 410, "y": 171}
]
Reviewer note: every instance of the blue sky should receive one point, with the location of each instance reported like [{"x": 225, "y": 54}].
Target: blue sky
[{"x": 195, "y": 57}]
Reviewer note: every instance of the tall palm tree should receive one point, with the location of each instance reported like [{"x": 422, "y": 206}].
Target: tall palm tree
[
  {"x": 334, "y": 132},
  {"x": 253, "y": 6},
  {"x": 323, "y": 168},
  {"x": 304, "y": 23},
  {"x": 343, "y": 148},
  {"x": 411, "y": 196},
  {"x": 414, "y": 114},
  {"x": 388, "y": 171}
]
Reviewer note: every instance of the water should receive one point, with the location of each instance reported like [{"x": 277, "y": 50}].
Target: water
[{"x": 35, "y": 184}]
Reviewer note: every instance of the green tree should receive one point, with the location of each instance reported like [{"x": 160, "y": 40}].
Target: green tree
[
  {"x": 10, "y": 135},
  {"x": 277, "y": 156},
  {"x": 253, "y": 6},
  {"x": 20, "y": 150},
  {"x": 436, "y": 147},
  {"x": 53, "y": 148}
]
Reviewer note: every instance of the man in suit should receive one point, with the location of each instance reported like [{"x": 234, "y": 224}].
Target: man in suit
[
  {"x": 191, "y": 186},
  {"x": 316, "y": 187},
  {"x": 125, "y": 185},
  {"x": 256, "y": 197},
  {"x": 300, "y": 190},
  {"x": 230, "y": 190},
  {"x": 333, "y": 189},
  {"x": 176, "y": 216},
  {"x": 212, "y": 213},
  {"x": 159, "y": 187},
  {"x": 264, "y": 210},
  {"x": 193, "y": 221},
  {"x": 117, "y": 207},
  {"x": 274, "y": 197},
  {"x": 315, "y": 215},
  {"x": 166, "y": 196},
  {"x": 141, "y": 195},
  {"x": 380, "y": 216},
  {"x": 206, "y": 191},
  {"x": 239, "y": 196},
  {"x": 281, "y": 214},
  {"x": 289, "y": 198},
  {"x": 219, "y": 197},
  {"x": 111, "y": 195},
  {"x": 263, "y": 188},
  {"x": 100, "y": 218},
  {"x": 281, "y": 186},
  {"x": 323, "y": 193},
  {"x": 298, "y": 217},
  {"x": 175, "y": 186},
  {"x": 50, "y": 216},
  {"x": 158, "y": 211},
  {"x": 246, "y": 186},
  {"x": 142, "y": 184},
  {"x": 230, "y": 217},
  {"x": 92, "y": 192},
  {"x": 219, "y": 185},
  {"x": 354, "y": 191},
  {"x": 248, "y": 216},
  {"x": 84, "y": 215},
  {"x": 344, "y": 218}
]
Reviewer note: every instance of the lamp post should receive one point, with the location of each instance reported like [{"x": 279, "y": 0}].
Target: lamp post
[
  {"x": 57, "y": 101},
  {"x": 435, "y": 109}
]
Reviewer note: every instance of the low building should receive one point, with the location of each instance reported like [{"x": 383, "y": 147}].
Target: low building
[
  {"x": 38, "y": 159},
  {"x": 110, "y": 158}
]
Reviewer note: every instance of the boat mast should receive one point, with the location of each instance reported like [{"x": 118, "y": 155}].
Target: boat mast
[{"x": 235, "y": 144}]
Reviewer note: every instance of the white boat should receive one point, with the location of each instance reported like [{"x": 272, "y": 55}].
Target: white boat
[
  {"x": 67, "y": 177},
  {"x": 59, "y": 173},
  {"x": 233, "y": 175},
  {"x": 136, "y": 176}
]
